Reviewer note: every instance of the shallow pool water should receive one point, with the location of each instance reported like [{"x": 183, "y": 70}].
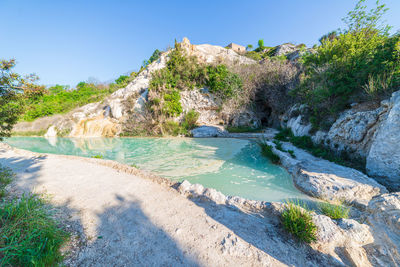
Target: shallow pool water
[{"x": 232, "y": 166}]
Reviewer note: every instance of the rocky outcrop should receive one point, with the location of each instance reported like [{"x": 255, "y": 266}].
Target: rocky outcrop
[
  {"x": 326, "y": 180},
  {"x": 206, "y": 104},
  {"x": 383, "y": 160},
  {"x": 383, "y": 215},
  {"x": 344, "y": 239},
  {"x": 107, "y": 118}
]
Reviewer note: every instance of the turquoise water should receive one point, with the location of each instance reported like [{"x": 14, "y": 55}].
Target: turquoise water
[{"x": 232, "y": 166}]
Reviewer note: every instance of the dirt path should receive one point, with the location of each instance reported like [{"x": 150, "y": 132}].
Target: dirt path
[{"x": 129, "y": 220}]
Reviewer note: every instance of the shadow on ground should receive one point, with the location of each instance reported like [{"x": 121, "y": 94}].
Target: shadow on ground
[{"x": 124, "y": 235}]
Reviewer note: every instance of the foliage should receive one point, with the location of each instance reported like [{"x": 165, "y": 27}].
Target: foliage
[
  {"x": 185, "y": 72},
  {"x": 11, "y": 84},
  {"x": 28, "y": 234},
  {"x": 362, "y": 56},
  {"x": 253, "y": 55},
  {"x": 242, "y": 129},
  {"x": 249, "y": 46},
  {"x": 267, "y": 151},
  {"x": 223, "y": 82},
  {"x": 6, "y": 176},
  {"x": 60, "y": 99},
  {"x": 97, "y": 156},
  {"x": 155, "y": 56},
  {"x": 190, "y": 120},
  {"x": 298, "y": 221},
  {"x": 334, "y": 211}
]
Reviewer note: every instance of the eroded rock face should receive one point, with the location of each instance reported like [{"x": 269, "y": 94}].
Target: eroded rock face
[
  {"x": 326, "y": 180},
  {"x": 383, "y": 160},
  {"x": 354, "y": 131},
  {"x": 383, "y": 215}
]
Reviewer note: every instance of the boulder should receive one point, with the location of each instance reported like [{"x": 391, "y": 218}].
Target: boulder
[
  {"x": 383, "y": 160},
  {"x": 208, "y": 131}
]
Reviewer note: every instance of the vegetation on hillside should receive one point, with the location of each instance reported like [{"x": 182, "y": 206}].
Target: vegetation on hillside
[{"x": 360, "y": 63}]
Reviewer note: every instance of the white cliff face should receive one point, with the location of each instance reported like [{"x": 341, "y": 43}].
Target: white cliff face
[
  {"x": 355, "y": 130},
  {"x": 383, "y": 159}
]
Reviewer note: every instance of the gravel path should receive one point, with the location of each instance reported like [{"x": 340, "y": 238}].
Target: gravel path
[{"x": 130, "y": 220}]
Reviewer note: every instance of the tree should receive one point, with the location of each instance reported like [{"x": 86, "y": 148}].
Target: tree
[
  {"x": 261, "y": 43},
  {"x": 11, "y": 87},
  {"x": 249, "y": 46},
  {"x": 359, "y": 19}
]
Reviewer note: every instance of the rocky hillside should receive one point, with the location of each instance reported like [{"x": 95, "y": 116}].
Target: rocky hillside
[{"x": 365, "y": 131}]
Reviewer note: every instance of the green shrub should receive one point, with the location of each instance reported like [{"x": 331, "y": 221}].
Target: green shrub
[
  {"x": 172, "y": 105},
  {"x": 97, "y": 156},
  {"x": 278, "y": 145},
  {"x": 172, "y": 128},
  {"x": 349, "y": 61},
  {"x": 223, "y": 82},
  {"x": 242, "y": 129},
  {"x": 28, "y": 234},
  {"x": 334, "y": 211},
  {"x": 267, "y": 151},
  {"x": 298, "y": 221},
  {"x": 190, "y": 120},
  {"x": 253, "y": 55}
]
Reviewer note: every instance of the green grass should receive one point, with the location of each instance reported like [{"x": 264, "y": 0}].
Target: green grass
[
  {"x": 29, "y": 133},
  {"x": 29, "y": 236},
  {"x": 6, "y": 176},
  {"x": 297, "y": 220},
  {"x": 243, "y": 129},
  {"x": 334, "y": 211},
  {"x": 97, "y": 156},
  {"x": 266, "y": 151}
]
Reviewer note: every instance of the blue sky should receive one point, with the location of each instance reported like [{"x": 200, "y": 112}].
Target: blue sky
[{"x": 65, "y": 42}]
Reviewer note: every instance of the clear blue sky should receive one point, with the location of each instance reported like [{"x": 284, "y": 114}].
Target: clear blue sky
[{"x": 67, "y": 41}]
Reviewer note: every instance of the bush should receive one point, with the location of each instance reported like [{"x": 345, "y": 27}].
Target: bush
[
  {"x": 349, "y": 61},
  {"x": 190, "y": 120},
  {"x": 28, "y": 234},
  {"x": 267, "y": 151},
  {"x": 298, "y": 221},
  {"x": 334, "y": 211},
  {"x": 253, "y": 55},
  {"x": 6, "y": 176},
  {"x": 242, "y": 129},
  {"x": 223, "y": 82}
]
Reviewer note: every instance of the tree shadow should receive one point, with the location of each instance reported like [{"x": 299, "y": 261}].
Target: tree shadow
[
  {"x": 122, "y": 235},
  {"x": 127, "y": 237}
]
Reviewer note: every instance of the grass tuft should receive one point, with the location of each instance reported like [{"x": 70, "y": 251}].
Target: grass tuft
[
  {"x": 297, "y": 220},
  {"x": 267, "y": 151},
  {"x": 334, "y": 211}
]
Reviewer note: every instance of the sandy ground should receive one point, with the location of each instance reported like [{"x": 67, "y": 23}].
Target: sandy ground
[{"x": 128, "y": 220}]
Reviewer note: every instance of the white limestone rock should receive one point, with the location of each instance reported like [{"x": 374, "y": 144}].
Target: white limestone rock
[
  {"x": 383, "y": 160},
  {"x": 208, "y": 131}
]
